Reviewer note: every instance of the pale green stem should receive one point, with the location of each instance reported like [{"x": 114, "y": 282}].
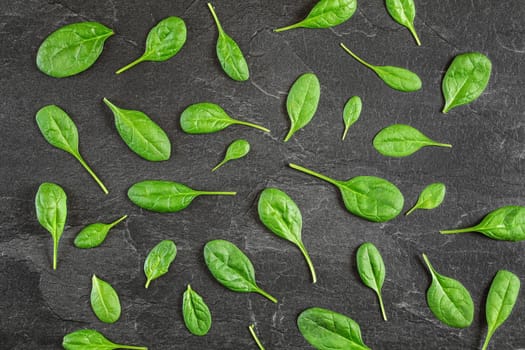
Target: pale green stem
[
  {"x": 292, "y": 26},
  {"x": 487, "y": 339},
  {"x": 411, "y": 210},
  {"x": 266, "y": 295},
  {"x": 240, "y": 122},
  {"x": 211, "y": 193},
  {"x": 215, "y": 18},
  {"x": 55, "y": 252},
  {"x": 147, "y": 283},
  {"x": 93, "y": 175},
  {"x": 224, "y": 161},
  {"x": 120, "y": 346},
  {"x": 309, "y": 262},
  {"x": 313, "y": 173},
  {"x": 382, "y": 306},
  {"x": 366, "y": 64},
  {"x": 429, "y": 265},
  {"x": 116, "y": 222},
  {"x": 344, "y": 133},
  {"x": 414, "y": 34},
  {"x": 437, "y": 144},
  {"x": 289, "y": 135},
  {"x": 446, "y": 108},
  {"x": 461, "y": 230},
  {"x": 132, "y": 64},
  {"x": 109, "y": 104},
  {"x": 254, "y": 336}
]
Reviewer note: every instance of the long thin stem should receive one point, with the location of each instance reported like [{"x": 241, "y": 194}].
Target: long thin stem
[
  {"x": 266, "y": 295},
  {"x": 254, "y": 336},
  {"x": 132, "y": 64},
  {"x": 411, "y": 210},
  {"x": 93, "y": 175},
  {"x": 309, "y": 262},
  {"x": 313, "y": 173},
  {"x": 381, "y": 305},
  {"x": 437, "y": 144},
  {"x": 212, "y": 193},
  {"x": 414, "y": 34},
  {"x": 147, "y": 283},
  {"x": 292, "y": 26},
  {"x": 120, "y": 346},
  {"x": 429, "y": 265},
  {"x": 290, "y": 134},
  {"x": 357, "y": 57},
  {"x": 487, "y": 339},
  {"x": 217, "y": 22},
  {"x": 344, "y": 133},
  {"x": 116, "y": 222},
  {"x": 461, "y": 230},
  {"x": 220, "y": 164},
  {"x": 240, "y": 122},
  {"x": 55, "y": 252}
]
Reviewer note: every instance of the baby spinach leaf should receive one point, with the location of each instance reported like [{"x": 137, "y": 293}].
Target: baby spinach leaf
[
  {"x": 449, "y": 300},
  {"x": 61, "y": 132},
  {"x": 197, "y": 316},
  {"x": 51, "y": 212},
  {"x": 400, "y": 140},
  {"x": 326, "y": 14},
  {"x": 351, "y": 113},
  {"x": 251, "y": 328},
  {"x": 232, "y": 268},
  {"x": 229, "y": 53},
  {"x": 404, "y": 12},
  {"x": 302, "y": 102},
  {"x": 94, "y": 235},
  {"x": 372, "y": 270},
  {"x": 166, "y": 196},
  {"x": 237, "y": 149},
  {"x": 502, "y": 297},
  {"x": 159, "y": 260},
  {"x": 466, "y": 79},
  {"x": 279, "y": 213},
  {"x": 207, "y": 118},
  {"x": 90, "y": 339},
  {"x": 104, "y": 301},
  {"x": 431, "y": 197},
  {"x": 142, "y": 135},
  {"x": 163, "y": 42},
  {"x": 328, "y": 330},
  {"x": 72, "y": 49},
  {"x": 372, "y": 198},
  {"x": 504, "y": 224},
  {"x": 397, "y": 78}
]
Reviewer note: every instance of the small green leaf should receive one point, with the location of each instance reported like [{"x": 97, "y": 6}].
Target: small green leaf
[
  {"x": 197, "y": 316},
  {"x": 404, "y": 12},
  {"x": 449, "y": 300},
  {"x": 237, "y": 149},
  {"x": 302, "y": 102},
  {"x": 431, "y": 197},
  {"x": 104, "y": 301},
  {"x": 159, "y": 260},
  {"x": 351, "y": 113},
  {"x": 90, "y": 339},
  {"x": 251, "y": 328},
  {"x": 372, "y": 270},
  {"x": 94, "y": 235}
]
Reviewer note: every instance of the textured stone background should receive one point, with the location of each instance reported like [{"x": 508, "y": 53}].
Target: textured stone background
[{"x": 483, "y": 171}]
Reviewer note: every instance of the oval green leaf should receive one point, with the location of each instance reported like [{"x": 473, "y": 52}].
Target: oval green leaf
[
  {"x": 90, "y": 339},
  {"x": 404, "y": 12},
  {"x": 159, "y": 260},
  {"x": 237, "y": 149},
  {"x": 351, "y": 113},
  {"x": 431, "y": 197},
  {"x": 372, "y": 270},
  {"x": 94, "y": 235},
  {"x": 196, "y": 314},
  {"x": 104, "y": 301}
]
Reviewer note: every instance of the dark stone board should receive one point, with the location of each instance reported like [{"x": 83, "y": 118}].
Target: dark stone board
[{"x": 483, "y": 171}]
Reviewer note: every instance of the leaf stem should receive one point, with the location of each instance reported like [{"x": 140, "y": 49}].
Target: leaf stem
[
  {"x": 429, "y": 265},
  {"x": 313, "y": 173},
  {"x": 414, "y": 34},
  {"x": 120, "y": 346},
  {"x": 437, "y": 144},
  {"x": 240, "y": 122},
  {"x": 266, "y": 295},
  {"x": 344, "y": 133},
  {"x": 289, "y": 135},
  {"x": 116, "y": 222},
  {"x": 254, "y": 336},
  {"x": 411, "y": 210},
  {"x": 215, "y": 18},
  {"x": 366, "y": 64},
  {"x": 212, "y": 193},
  {"x": 487, "y": 339},
  {"x": 130, "y": 65},
  {"x": 292, "y": 26},
  {"x": 147, "y": 283},
  {"x": 309, "y": 262},
  {"x": 382, "y": 306},
  {"x": 219, "y": 165},
  {"x": 93, "y": 175},
  {"x": 55, "y": 252},
  {"x": 461, "y": 230}
]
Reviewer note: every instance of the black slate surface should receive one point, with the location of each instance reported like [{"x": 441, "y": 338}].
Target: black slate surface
[{"x": 483, "y": 171}]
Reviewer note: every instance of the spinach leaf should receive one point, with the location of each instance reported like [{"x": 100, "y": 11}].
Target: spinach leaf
[
  {"x": 466, "y": 79},
  {"x": 159, "y": 260},
  {"x": 302, "y": 102},
  {"x": 404, "y": 12},
  {"x": 372, "y": 198},
  {"x": 397, "y": 78},
  {"x": 229, "y": 53},
  {"x": 72, "y": 49},
  {"x": 251, "y": 328},
  {"x": 237, "y": 149},
  {"x": 279, "y": 213},
  {"x": 431, "y": 197},
  {"x": 51, "y": 212},
  {"x": 163, "y": 42},
  {"x": 197, "y": 316},
  {"x": 326, "y": 14},
  {"x": 504, "y": 224},
  {"x": 400, "y": 140},
  {"x": 61, "y": 132},
  {"x": 166, "y": 196},
  {"x": 142, "y": 135},
  {"x": 328, "y": 330},
  {"x": 351, "y": 113},
  {"x": 449, "y": 300},
  {"x": 207, "y": 118},
  {"x": 232, "y": 268},
  {"x": 372, "y": 270},
  {"x": 90, "y": 339},
  {"x": 94, "y": 235},
  {"x": 104, "y": 301},
  {"x": 502, "y": 297}
]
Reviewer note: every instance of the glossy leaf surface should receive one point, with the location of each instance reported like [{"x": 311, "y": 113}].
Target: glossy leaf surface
[
  {"x": 351, "y": 113},
  {"x": 104, "y": 301},
  {"x": 159, "y": 260},
  {"x": 236, "y": 150},
  {"x": 403, "y": 12},
  {"x": 196, "y": 314},
  {"x": 90, "y": 339},
  {"x": 302, "y": 102},
  {"x": 431, "y": 197},
  {"x": 372, "y": 270},
  {"x": 94, "y": 235}
]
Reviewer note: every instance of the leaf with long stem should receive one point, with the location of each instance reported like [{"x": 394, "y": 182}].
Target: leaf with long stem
[{"x": 94, "y": 235}]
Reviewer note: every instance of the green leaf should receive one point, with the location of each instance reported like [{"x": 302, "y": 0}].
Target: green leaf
[
  {"x": 449, "y": 300},
  {"x": 465, "y": 80},
  {"x": 164, "y": 41},
  {"x": 328, "y": 330},
  {"x": 166, "y": 196},
  {"x": 302, "y": 102},
  {"x": 400, "y": 140},
  {"x": 431, "y": 197},
  {"x": 142, "y": 135},
  {"x": 237, "y": 149},
  {"x": 404, "y": 12},
  {"x": 326, "y": 14},
  {"x": 94, "y": 235},
  {"x": 51, "y": 212},
  {"x": 72, "y": 49},
  {"x": 369, "y": 197},
  {"x": 501, "y": 299},
  {"x": 229, "y": 53},
  {"x": 232, "y": 268},
  {"x": 351, "y": 112},
  {"x": 104, "y": 301},
  {"x": 279, "y": 213},
  {"x": 159, "y": 260},
  {"x": 504, "y": 224},
  {"x": 197, "y": 316},
  {"x": 397, "y": 78},
  {"x": 251, "y": 328},
  {"x": 372, "y": 270},
  {"x": 207, "y": 118},
  {"x": 61, "y": 132},
  {"x": 90, "y": 339}
]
